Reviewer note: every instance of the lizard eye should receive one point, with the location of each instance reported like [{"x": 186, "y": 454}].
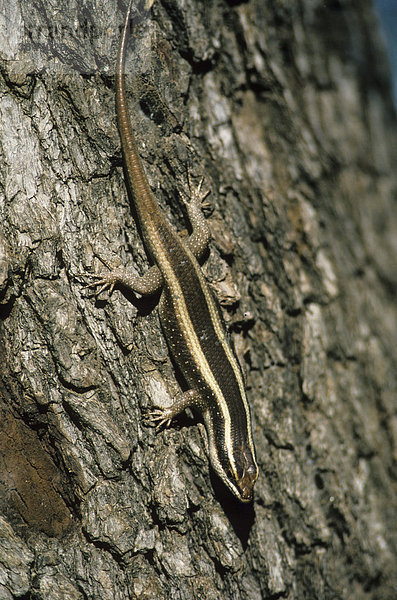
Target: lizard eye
[{"x": 230, "y": 474}]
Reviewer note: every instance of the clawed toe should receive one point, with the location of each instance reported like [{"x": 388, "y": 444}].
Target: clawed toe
[
  {"x": 104, "y": 282},
  {"x": 158, "y": 417},
  {"x": 197, "y": 195}
]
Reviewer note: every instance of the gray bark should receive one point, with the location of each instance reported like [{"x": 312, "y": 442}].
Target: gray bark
[{"x": 285, "y": 109}]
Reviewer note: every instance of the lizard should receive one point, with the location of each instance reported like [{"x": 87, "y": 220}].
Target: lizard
[{"x": 189, "y": 313}]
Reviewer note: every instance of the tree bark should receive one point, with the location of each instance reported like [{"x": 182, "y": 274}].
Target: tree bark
[{"x": 285, "y": 109}]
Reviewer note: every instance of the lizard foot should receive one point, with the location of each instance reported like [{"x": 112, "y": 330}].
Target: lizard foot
[
  {"x": 104, "y": 281},
  {"x": 159, "y": 417},
  {"x": 196, "y": 194}
]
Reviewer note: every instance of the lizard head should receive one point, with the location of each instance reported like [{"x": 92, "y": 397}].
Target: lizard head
[
  {"x": 244, "y": 474},
  {"x": 236, "y": 467}
]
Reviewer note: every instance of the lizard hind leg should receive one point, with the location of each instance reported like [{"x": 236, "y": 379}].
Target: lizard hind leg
[
  {"x": 146, "y": 285},
  {"x": 199, "y": 239}
]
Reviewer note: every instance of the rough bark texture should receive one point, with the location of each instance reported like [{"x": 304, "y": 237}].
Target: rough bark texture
[{"x": 285, "y": 108}]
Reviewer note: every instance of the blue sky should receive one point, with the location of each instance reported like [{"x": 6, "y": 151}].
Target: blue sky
[{"x": 387, "y": 12}]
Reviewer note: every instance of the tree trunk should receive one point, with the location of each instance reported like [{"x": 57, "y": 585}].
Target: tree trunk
[{"x": 285, "y": 110}]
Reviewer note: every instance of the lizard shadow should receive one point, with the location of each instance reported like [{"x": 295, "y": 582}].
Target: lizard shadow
[{"x": 241, "y": 516}]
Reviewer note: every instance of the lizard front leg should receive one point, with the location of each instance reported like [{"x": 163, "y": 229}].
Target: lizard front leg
[{"x": 163, "y": 416}]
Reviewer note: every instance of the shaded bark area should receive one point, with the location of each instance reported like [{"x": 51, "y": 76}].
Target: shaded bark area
[{"x": 285, "y": 109}]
